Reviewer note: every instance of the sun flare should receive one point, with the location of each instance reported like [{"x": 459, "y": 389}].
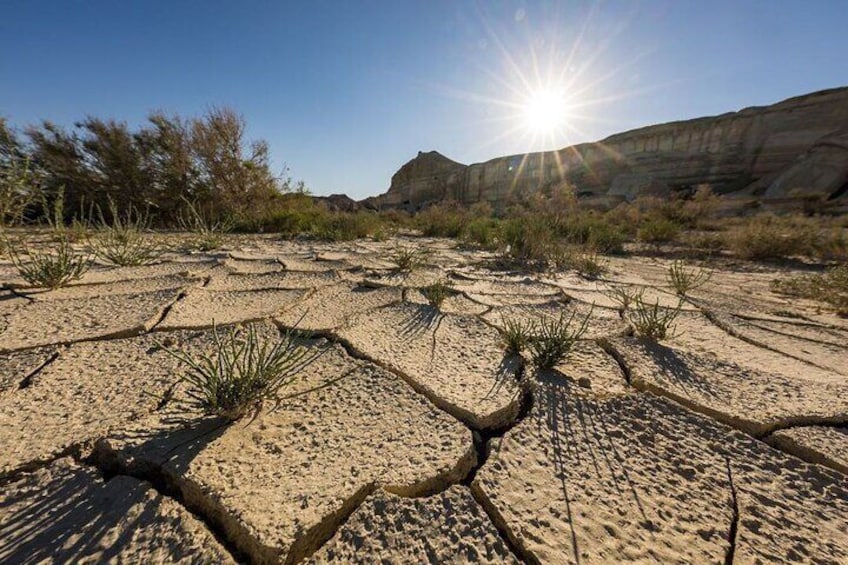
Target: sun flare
[{"x": 545, "y": 111}]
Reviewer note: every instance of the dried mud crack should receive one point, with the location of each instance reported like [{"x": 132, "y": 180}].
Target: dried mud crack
[
  {"x": 110, "y": 465},
  {"x": 413, "y": 438},
  {"x": 733, "y": 532},
  {"x": 26, "y": 382}
]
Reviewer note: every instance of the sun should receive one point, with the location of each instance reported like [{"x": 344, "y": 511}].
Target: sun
[{"x": 545, "y": 111}]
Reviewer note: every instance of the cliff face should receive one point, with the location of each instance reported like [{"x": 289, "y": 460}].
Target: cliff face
[{"x": 795, "y": 148}]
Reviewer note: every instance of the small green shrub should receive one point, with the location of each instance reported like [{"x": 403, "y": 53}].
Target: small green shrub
[
  {"x": 767, "y": 237},
  {"x": 242, "y": 373},
  {"x": 515, "y": 334},
  {"x": 51, "y": 270},
  {"x": 345, "y": 226},
  {"x": 706, "y": 242},
  {"x": 533, "y": 245},
  {"x": 124, "y": 241},
  {"x": 625, "y": 295},
  {"x": 407, "y": 259},
  {"x": 830, "y": 287},
  {"x": 588, "y": 263},
  {"x": 683, "y": 280},
  {"x": 657, "y": 231},
  {"x": 552, "y": 339},
  {"x": 436, "y": 293},
  {"x": 482, "y": 232},
  {"x": 444, "y": 220},
  {"x": 207, "y": 233},
  {"x": 591, "y": 229},
  {"x": 653, "y": 321}
]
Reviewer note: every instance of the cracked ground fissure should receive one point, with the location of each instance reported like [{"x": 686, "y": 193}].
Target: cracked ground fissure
[
  {"x": 482, "y": 438},
  {"x": 242, "y": 546},
  {"x": 734, "y": 524},
  {"x": 767, "y": 430}
]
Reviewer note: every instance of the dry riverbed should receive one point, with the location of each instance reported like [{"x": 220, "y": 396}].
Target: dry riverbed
[{"x": 413, "y": 437}]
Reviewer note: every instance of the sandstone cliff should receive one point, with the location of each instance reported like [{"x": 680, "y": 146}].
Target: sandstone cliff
[{"x": 797, "y": 148}]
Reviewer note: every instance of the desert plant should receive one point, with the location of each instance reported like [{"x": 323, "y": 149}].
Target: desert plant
[
  {"x": 625, "y": 295},
  {"x": 683, "y": 280},
  {"x": 767, "y": 237},
  {"x": 653, "y": 321},
  {"x": 407, "y": 259},
  {"x": 831, "y": 287},
  {"x": 656, "y": 231},
  {"x": 442, "y": 220},
  {"x": 51, "y": 269},
  {"x": 207, "y": 233},
  {"x": 588, "y": 263},
  {"x": 515, "y": 334},
  {"x": 436, "y": 293},
  {"x": 481, "y": 231},
  {"x": 552, "y": 338},
  {"x": 345, "y": 226},
  {"x": 705, "y": 242},
  {"x": 242, "y": 373},
  {"x": 531, "y": 244},
  {"x": 123, "y": 242},
  {"x": 19, "y": 182}
]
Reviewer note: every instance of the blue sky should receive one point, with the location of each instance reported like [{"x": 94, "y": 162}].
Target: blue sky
[{"x": 346, "y": 92}]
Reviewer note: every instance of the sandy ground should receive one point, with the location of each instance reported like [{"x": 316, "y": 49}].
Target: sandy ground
[{"x": 412, "y": 437}]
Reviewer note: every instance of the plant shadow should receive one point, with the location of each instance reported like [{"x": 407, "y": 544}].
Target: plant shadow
[{"x": 70, "y": 513}]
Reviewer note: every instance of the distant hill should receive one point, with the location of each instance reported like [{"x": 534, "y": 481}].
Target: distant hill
[{"x": 791, "y": 151}]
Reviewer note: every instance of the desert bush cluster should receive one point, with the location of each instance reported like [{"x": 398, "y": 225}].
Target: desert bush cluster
[
  {"x": 548, "y": 339},
  {"x": 205, "y": 176},
  {"x": 830, "y": 287}
]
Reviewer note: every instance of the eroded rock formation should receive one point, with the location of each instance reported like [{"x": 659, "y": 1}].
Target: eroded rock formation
[{"x": 794, "y": 149}]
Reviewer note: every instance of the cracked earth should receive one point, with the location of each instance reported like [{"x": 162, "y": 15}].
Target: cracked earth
[{"x": 412, "y": 437}]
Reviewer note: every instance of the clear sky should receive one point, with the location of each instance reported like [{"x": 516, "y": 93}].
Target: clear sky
[{"x": 347, "y": 91}]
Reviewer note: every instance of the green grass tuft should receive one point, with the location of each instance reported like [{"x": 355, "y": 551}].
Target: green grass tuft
[
  {"x": 124, "y": 242},
  {"x": 515, "y": 335},
  {"x": 243, "y": 373},
  {"x": 683, "y": 280},
  {"x": 552, "y": 338},
  {"x": 436, "y": 293},
  {"x": 653, "y": 321},
  {"x": 53, "y": 269}
]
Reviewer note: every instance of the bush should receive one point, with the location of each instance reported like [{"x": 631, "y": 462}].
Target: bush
[
  {"x": 443, "y": 220},
  {"x": 407, "y": 259},
  {"x": 830, "y": 288},
  {"x": 436, "y": 293},
  {"x": 531, "y": 244},
  {"x": 51, "y": 270},
  {"x": 552, "y": 339},
  {"x": 18, "y": 186},
  {"x": 592, "y": 230},
  {"x": 652, "y": 321},
  {"x": 657, "y": 231},
  {"x": 706, "y": 242},
  {"x": 123, "y": 242},
  {"x": 587, "y": 262},
  {"x": 625, "y": 295},
  {"x": 483, "y": 232},
  {"x": 242, "y": 373},
  {"x": 766, "y": 237},
  {"x": 207, "y": 233},
  {"x": 682, "y": 280},
  {"x": 344, "y": 226},
  {"x": 515, "y": 335}
]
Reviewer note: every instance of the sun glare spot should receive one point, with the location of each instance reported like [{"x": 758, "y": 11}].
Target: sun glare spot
[{"x": 545, "y": 111}]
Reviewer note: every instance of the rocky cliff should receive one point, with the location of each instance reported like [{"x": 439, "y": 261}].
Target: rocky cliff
[{"x": 797, "y": 148}]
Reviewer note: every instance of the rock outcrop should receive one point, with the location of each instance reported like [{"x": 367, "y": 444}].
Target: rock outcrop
[{"x": 795, "y": 149}]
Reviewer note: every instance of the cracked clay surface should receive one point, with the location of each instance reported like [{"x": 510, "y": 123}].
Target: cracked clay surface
[{"x": 411, "y": 436}]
